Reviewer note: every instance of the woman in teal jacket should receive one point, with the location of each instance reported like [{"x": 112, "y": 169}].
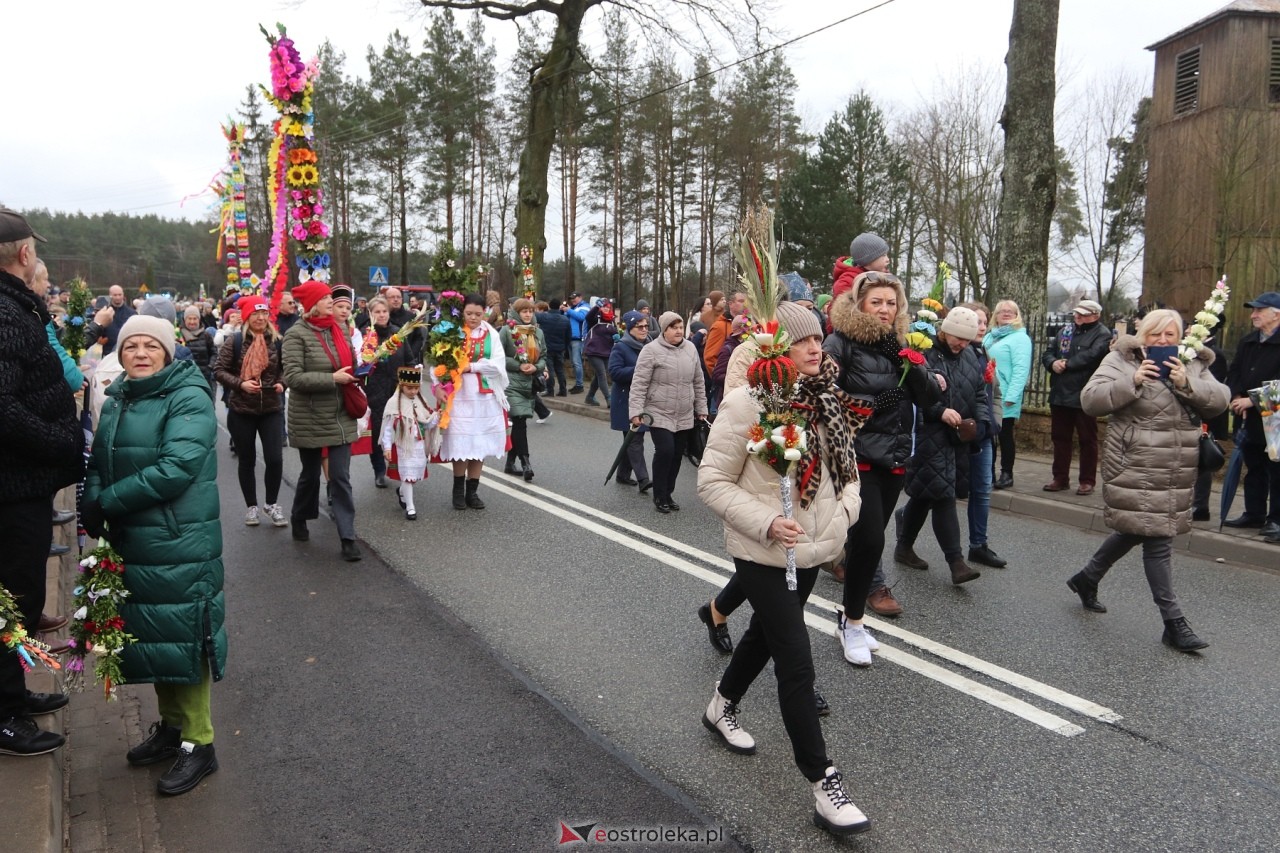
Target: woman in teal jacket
[
  {"x": 1009, "y": 346},
  {"x": 152, "y": 482}
]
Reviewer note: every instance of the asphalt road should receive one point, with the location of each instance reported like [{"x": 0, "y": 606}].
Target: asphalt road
[{"x": 495, "y": 673}]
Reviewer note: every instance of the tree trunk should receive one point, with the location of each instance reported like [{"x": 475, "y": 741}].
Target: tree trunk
[
  {"x": 1029, "y": 182},
  {"x": 545, "y": 90}
]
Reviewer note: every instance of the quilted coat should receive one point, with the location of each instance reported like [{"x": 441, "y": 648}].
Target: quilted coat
[
  {"x": 317, "y": 417},
  {"x": 870, "y": 370},
  {"x": 43, "y": 447},
  {"x": 1152, "y": 446},
  {"x": 154, "y": 470},
  {"x": 939, "y": 469},
  {"x": 668, "y": 384},
  {"x": 520, "y": 385},
  {"x": 744, "y": 493}
]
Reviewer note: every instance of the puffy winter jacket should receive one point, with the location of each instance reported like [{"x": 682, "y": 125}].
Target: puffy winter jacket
[
  {"x": 668, "y": 384},
  {"x": 1086, "y": 349},
  {"x": 744, "y": 493},
  {"x": 520, "y": 385},
  {"x": 1152, "y": 447},
  {"x": 1010, "y": 349},
  {"x": 939, "y": 468},
  {"x": 154, "y": 471},
  {"x": 317, "y": 417},
  {"x": 622, "y": 366},
  {"x": 43, "y": 445},
  {"x": 870, "y": 370}
]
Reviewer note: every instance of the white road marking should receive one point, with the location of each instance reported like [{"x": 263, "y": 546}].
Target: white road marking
[{"x": 826, "y": 627}]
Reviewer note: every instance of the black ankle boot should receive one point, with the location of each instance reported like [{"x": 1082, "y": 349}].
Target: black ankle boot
[
  {"x": 161, "y": 745},
  {"x": 510, "y": 467},
  {"x": 1178, "y": 635},
  {"x": 1088, "y": 592},
  {"x": 459, "y": 501},
  {"x": 473, "y": 500},
  {"x": 193, "y": 764},
  {"x": 528, "y": 469}
]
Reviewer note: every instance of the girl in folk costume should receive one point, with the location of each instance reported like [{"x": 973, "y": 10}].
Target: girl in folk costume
[
  {"x": 524, "y": 347},
  {"x": 408, "y": 433},
  {"x": 477, "y": 425}
]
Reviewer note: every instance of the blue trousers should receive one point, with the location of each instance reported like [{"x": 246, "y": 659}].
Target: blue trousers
[{"x": 980, "y": 493}]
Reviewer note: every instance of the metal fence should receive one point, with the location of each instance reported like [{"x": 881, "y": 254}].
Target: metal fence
[{"x": 1042, "y": 328}]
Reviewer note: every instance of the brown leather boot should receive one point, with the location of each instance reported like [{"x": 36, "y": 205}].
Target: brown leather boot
[
  {"x": 962, "y": 572},
  {"x": 907, "y": 556},
  {"x": 881, "y": 602}
]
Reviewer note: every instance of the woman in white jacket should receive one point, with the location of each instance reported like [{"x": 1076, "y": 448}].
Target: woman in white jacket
[{"x": 744, "y": 492}]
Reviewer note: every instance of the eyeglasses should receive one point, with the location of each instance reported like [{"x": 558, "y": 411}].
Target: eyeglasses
[{"x": 640, "y": 326}]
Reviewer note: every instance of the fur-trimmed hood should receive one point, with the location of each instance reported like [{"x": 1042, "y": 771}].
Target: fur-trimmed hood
[
  {"x": 1130, "y": 347},
  {"x": 849, "y": 321}
]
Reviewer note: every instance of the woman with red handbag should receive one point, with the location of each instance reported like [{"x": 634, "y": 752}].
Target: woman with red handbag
[{"x": 324, "y": 402}]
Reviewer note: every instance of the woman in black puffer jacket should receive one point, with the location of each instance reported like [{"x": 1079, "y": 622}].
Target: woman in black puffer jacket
[
  {"x": 938, "y": 472},
  {"x": 870, "y": 326}
]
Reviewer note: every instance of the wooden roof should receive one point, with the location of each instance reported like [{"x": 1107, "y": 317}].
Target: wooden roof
[{"x": 1239, "y": 7}]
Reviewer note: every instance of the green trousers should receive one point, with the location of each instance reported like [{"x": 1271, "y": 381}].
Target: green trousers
[{"x": 187, "y": 707}]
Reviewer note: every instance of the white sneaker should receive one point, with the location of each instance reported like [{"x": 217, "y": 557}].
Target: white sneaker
[
  {"x": 251, "y": 517},
  {"x": 543, "y": 420},
  {"x": 855, "y": 641},
  {"x": 276, "y": 514},
  {"x": 833, "y": 810},
  {"x": 722, "y": 718}
]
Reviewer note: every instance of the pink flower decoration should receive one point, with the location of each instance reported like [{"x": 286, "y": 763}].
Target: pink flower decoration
[{"x": 299, "y": 232}]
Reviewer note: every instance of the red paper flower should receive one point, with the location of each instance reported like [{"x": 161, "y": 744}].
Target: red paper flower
[
  {"x": 913, "y": 356},
  {"x": 990, "y": 373}
]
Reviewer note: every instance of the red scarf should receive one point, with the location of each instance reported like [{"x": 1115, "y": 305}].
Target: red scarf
[{"x": 341, "y": 342}]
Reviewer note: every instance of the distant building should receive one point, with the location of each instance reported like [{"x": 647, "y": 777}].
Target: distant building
[{"x": 1213, "y": 180}]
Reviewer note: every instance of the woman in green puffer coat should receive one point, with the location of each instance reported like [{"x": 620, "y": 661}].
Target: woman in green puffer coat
[{"x": 152, "y": 481}]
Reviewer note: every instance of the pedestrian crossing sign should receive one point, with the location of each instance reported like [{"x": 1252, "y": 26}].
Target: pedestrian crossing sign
[{"x": 378, "y": 276}]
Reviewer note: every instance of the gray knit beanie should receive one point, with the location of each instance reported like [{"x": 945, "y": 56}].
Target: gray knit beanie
[
  {"x": 800, "y": 322},
  {"x": 159, "y": 306},
  {"x": 866, "y": 248}
]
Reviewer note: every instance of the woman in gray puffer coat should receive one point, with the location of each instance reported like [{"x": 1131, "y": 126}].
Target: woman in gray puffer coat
[
  {"x": 938, "y": 472},
  {"x": 669, "y": 386},
  {"x": 1151, "y": 460}
]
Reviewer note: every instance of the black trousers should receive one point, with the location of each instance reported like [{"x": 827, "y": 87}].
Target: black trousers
[
  {"x": 376, "y": 459},
  {"x": 306, "y": 497},
  {"x": 777, "y": 632},
  {"x": 270, "y": 430},
  {"x": 555, "y": 366},
  {"x": 865, "y": 543},
  {"x": 26, "y": 529},
  {"x": 668, "y": 451},
  {"x": 520, "y": 435},
  {"x": 946, "y": 524},
  {"x": 1261, "y": 483},
  {"x": 1008, "y": 446}
]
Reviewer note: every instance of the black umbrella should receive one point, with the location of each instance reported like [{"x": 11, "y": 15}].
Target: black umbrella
[
  {"x": 645, "y": 420},
  {"x": 1231, "y": 479}
]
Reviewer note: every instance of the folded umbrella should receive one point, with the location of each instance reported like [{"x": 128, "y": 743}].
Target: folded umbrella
[
  {"x": 1231, "y": 479},
  {"x": 645, "y": 420}
]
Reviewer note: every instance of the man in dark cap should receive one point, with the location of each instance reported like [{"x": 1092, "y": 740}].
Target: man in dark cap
[
  {"x": 1257, "y": 361},
  {"x": 42, "y": 452},
  {"x": 1071, "y": 358}
]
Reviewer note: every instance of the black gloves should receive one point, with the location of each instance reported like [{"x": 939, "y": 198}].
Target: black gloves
[{"x": 91, "y": 517}]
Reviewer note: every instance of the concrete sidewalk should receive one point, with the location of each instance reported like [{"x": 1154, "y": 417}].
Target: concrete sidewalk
[{"x": 44, "y": 790}]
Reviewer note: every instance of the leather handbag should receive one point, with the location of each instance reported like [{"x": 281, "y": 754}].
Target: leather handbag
[{"x": 1211, "y": 455}]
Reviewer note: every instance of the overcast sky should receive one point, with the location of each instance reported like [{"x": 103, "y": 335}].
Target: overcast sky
[{"x": 118, "y": 104}]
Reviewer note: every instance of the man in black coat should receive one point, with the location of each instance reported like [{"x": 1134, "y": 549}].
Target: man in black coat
[
  {"x": 1071, "y": 358},
  {"x": 1257, "y": 361},
  {"x": 557, "y": 329},
  {"x": 42, "y": 451}
]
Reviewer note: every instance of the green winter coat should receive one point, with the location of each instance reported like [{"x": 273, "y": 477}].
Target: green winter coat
[
  {"x": 155, "y": 472},
  {"x": 520, "y": 385},
  {"x": 317, "y": 417}
]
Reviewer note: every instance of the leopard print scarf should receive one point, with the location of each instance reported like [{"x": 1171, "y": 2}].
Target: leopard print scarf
[{"x": 841, "y": 416}]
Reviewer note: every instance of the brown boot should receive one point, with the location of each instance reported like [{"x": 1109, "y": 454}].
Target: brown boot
[
  {"x": 962, "y": 572},
  {"x": 881, "y": 602},
  {"x": 906, "y": 555},
  {"x": 835, "y": 569}
]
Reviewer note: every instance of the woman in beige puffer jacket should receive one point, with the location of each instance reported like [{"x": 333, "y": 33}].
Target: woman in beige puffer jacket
[
  {"x": 746, "y": 494},
  {"x": 1150, "y": 460},
  {"x": 668, "y": 386}
]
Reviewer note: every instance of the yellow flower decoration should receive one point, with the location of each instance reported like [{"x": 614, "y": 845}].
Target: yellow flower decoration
[
  {"x": 309, "y": 175},
  {"x": 933, "y": 304},
  {"x": 297, "y": 176},
  {"x": 919, "y": 341}
]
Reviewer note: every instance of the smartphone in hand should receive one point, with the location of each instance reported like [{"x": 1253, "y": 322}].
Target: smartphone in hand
[{"x": 1160, "y": 355}]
